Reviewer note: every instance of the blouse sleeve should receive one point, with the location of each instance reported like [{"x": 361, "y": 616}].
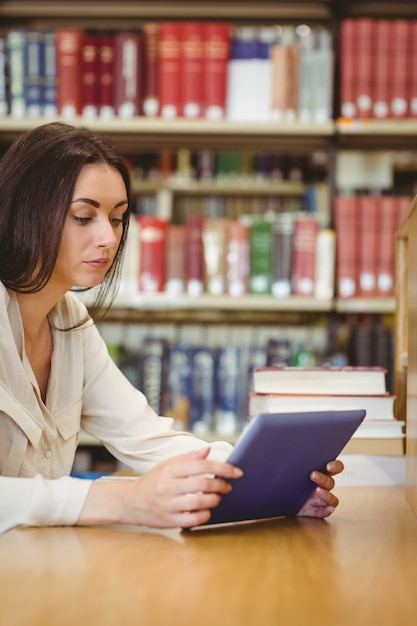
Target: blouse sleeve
[
  {"x": 118, "y": 414},
  {"x": 41, "y": 502}
]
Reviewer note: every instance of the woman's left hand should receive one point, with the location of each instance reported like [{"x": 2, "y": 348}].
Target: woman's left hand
[{"x": 322, "y": 501}]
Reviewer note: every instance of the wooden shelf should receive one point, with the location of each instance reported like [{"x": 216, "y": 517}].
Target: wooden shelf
[
  {"x": 235, "y": 187},
  {"x": 142, "y": 133}
]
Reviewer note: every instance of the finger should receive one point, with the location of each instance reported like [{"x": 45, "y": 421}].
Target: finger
[
  {"x": 335, "y": 467},
  {"x": 323, "y": 497},
  {"x": 182, "y": 467},
  {"x": 196, "y": 502},
  {"x": 201, "y": 484},
  {"x": 322, "y": 480}
]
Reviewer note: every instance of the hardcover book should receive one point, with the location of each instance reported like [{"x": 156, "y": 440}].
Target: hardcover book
[
  {"x": 69, "y": 42},
  {"x": 216, "y": 56},
  {"x": 228, "y": 419},
  {"x": 105, "y": 77},
  {"x": 169, "y": 69},
  {"x": 202, "y": 390},
  {"x": 351, "y": 381},
  {"x": 367, "y": 231},
  {"x": 192, "y": 69},
  {"x": 261, "y": 256},
  {"x": 128, "y": 89},
  {"x": 89, "y": 75},
  {"x": 152, "y": 253},
  {"x": 34, "y": 72},
  {"x": 153, "y": 369},
  {"x": 346, "y": 225},
  {"x": 303, "y": 271},
  {"x": 194, "y": 271},
  {"x": 282, "y": 258},
  {"x": 150, "y": 105},
  {"x": 237, "y": 259},
  {"x": 15, "y": 45},
  {"x": 49, "y": 64}
]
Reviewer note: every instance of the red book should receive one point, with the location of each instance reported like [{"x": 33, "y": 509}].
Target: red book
[
  {"x": 169, "y": 69},
  {"x": 386, "y": 222},
  {"x": 214, "y": 234},
  {"x": 68, "y": 45},
  {"x": 364, "y": 66},
  {"x": 368, "y": 227},
  {"x": 346, "y": 226},
  {"x": 150, "y": 69},
  {"x": 152, "y": 253},
  {"x": 89, "y": 75},
  {"x": 381, "y": 104},
  {"x": 128, "y": 89},
  {"x": 306, "y": 229},
  {"x": 194, "y": 270},
  {"x": 191, "y": 75},
  {"x": 106, "y": 76},
  {"x": 238, "y": 258},
  {"x": 399, "y": 69},
  {"x": 348, "y": 108},
  {"x": 175, "y": 259},
  {"x": 412, "y": 85},
  {"x": 216, "y": 58}
]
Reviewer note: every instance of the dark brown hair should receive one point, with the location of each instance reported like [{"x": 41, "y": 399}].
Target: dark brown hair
[{"x": 38, "y": 174}]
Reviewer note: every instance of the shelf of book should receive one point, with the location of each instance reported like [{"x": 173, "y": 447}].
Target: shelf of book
[{"x": 236, "y": 186}]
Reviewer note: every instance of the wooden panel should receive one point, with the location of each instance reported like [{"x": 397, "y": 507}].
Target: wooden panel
[{"x": 406, "y": 342}]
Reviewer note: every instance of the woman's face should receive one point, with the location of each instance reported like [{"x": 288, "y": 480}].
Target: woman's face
[{"x": 93, "y": 228}]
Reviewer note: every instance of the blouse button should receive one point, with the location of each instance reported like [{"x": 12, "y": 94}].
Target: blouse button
[{"x": 48, "y": 454}]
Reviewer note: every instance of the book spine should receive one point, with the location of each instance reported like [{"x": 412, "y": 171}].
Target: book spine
[
  {"x": 49, "y": 96},
  {"x": 348, "y": 63},
  {"x": 368, "y": 227},
  {"x": 215, "y": 251},
  {"x": 261, "y": 256},
  {"x": 192, "y": 55},
  {"x": 412, "y": 51},
  {"x": 386, "y": 246},
  {"x": 175, "y": 259},
  {"x": 399, "y": 69},
  {"x": 179, "y": 386},
  {"x": 304, "y": 256},
  {"x": 69, "y": 41},
  {"x": 282, "y": 254},
  {"x": 106, "y": 76},
  {"x": 34, "y": 71},
  {"x": 202, "y": 390},
  {"x": 89, "y": 75},
  {"x": 216, "y": 54},
  {"x": 16, "y": 69},
  {"x": 228, "y": 420},
  {"x": 153, "y": 372},
  {"x": 150, "y": 105},
  {"x": 240, "y": 94},
  {"x": 306, "y": 79},
  {"x": 237, "y": 259},
  {"x": 365, "y": 42},
  {"x": 381, "y": 103},
  {"x": 325, "y": 264},
  {"x": 169, "y": 55},
  {"x": 323, "y": 64},
  {"x": 262, "y": 85},
  {"x": 4, "y": 99},
  {"x": 346, "y": 226},
  {"x": 194, "y": 271},
  {"x": 128, "y": 57},
  {"x": 152, "y": 251}
]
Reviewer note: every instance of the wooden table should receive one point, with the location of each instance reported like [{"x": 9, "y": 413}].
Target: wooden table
[{"x": 357, "y": 568}]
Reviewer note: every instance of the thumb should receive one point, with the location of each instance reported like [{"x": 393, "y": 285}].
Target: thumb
[{"x": 202, "y": 453}]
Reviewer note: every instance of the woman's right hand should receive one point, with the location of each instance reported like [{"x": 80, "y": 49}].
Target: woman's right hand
[{"x": 178, "y": 492}]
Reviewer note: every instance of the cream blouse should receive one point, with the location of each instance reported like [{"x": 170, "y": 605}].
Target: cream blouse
[{"x": 86, "y": 389}]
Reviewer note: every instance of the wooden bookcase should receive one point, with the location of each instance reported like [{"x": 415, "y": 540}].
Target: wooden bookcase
[
  {"x": 406, "y": 342},
  {"x": 155, "y": 134}
]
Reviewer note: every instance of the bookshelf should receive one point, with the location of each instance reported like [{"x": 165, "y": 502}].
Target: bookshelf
[{"x": 292, "y": 137}]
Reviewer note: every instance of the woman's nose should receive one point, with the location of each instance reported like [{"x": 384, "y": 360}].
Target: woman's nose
[{"x": 107, "y": 236}]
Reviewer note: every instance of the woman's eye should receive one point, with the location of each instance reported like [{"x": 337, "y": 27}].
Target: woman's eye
[
  {"x": 82, "y": 220},
  {"x": 116, "y": 221}
]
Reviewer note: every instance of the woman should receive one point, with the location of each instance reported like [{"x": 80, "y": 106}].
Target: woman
[{"x": 64, "y": 212}]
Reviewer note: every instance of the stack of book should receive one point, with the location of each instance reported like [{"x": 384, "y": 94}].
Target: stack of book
[{"x": 284, "y": 389}]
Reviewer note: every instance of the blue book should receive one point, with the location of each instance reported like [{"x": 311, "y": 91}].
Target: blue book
[
  {"x": 153, "y": 364},
  {"x": 179, "y": 385},
  {"x": 4, "y": 97},
  {"x": 202, "y": 391},
  {"x": 33, "y": 72},
  {"x": 228, "y": 386}
]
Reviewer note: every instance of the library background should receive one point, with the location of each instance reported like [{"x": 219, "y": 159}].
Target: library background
[{"x": 272, "y": 153}]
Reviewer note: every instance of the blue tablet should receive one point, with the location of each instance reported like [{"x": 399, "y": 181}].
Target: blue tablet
[{"x": 277, "y": 453}]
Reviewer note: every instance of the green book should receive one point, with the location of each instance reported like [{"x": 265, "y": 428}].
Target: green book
[{"x": 261, "y": 256}]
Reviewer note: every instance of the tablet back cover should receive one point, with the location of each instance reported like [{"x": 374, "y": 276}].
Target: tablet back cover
[{"x": 277, "y": 453}]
